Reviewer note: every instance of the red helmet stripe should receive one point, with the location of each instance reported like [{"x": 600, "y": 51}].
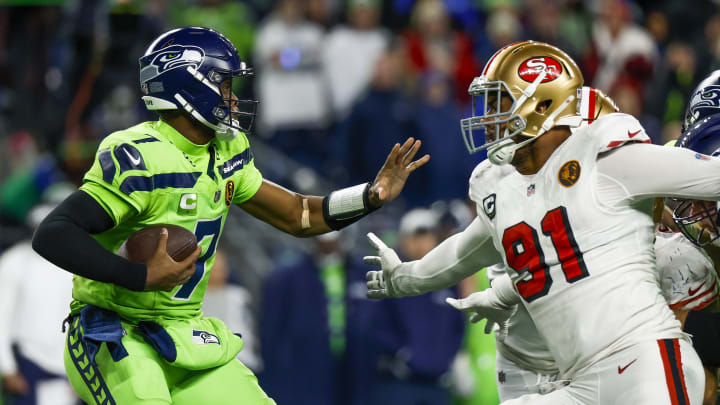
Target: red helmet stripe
[{"x": 591, "y": 108}]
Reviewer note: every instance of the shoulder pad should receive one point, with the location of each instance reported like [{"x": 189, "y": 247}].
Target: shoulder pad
[
  {"x": 614, "y": 130},
  {"x": 478, "y": 178},
  {"x": 485, "y": 177}
]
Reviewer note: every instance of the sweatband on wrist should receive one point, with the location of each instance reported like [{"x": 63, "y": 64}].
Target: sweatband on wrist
[{"x": 345, "y": 206}]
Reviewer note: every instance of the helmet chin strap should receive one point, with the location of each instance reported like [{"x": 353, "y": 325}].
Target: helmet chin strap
[
  {"x": 223, "y": 132},
  {"x": 503, "y": 152},
  {"x": 226, "y": 133}
]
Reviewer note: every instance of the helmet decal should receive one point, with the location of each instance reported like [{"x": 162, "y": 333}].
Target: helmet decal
[
  {"x": 707, "y": 97},
  {"x": 171, "y": 58},
  {"x": 531, "y": 68}
]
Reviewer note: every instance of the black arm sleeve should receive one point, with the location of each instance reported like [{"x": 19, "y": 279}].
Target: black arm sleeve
[
  {"x": 705, "y": 330},
  {"x": 63, "y": 238}
]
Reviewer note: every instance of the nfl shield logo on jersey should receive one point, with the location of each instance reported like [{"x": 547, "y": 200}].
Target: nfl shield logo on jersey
[{"x": 202, "y": 337}]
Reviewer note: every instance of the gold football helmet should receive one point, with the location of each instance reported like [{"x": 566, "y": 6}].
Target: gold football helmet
[{"x": 541, "y": 80}]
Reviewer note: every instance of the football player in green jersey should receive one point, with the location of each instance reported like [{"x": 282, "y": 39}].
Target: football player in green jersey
[{"x": 136, "y": 333}]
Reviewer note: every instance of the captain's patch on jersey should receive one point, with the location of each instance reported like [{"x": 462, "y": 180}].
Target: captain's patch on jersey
[
  {"x": 188, "y": 204},
  {"x": 202, "y": 337},
  {"x": 489, "y": 206},
  {"x": 569, "y": 173},
  {"x": 229, "y": 191}
]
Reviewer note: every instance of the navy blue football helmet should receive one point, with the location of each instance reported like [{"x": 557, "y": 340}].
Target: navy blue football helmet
[
  {"x": 704, "y": 100},
  {"x": 698, "y": 220},
  {"x": 192, "y": 69}
]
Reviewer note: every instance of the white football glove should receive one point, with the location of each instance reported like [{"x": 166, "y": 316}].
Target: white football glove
[
  {"x": 484, "y": 305},
  {"x": 379, "y": 282}
]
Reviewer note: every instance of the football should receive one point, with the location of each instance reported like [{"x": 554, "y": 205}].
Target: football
[{"x": 141, "y": 245}]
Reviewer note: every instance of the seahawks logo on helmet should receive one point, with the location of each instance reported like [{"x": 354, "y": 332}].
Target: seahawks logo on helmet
[
  {"x": 172, "y": 57},
  {"x": 707, "y": 97}
]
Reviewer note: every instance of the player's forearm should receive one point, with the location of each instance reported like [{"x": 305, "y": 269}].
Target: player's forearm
[
  {"x": 644, "y": 171},
  {"x": 456, "y": 258},
  {"x": 64, "y": 238},
  {"x": 304, "y": 216}
]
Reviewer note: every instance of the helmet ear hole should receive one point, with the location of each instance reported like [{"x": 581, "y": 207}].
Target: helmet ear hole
[{"x": 543, "y": 106}]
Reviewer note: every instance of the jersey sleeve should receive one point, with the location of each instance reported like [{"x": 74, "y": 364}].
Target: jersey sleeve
[
  {"x": 615, "y": 130},
  {"x": 250, "y": 178},
  {"x": 637, "y": 172},
  {"x": 117, "y": 177},
  {"x": 456, "y": 258}
]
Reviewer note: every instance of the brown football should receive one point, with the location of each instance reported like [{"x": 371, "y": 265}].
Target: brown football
[{"x": 141, "y": 245}]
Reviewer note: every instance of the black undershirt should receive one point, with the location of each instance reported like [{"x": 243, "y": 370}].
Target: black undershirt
[{"x": 64, "y": 238}]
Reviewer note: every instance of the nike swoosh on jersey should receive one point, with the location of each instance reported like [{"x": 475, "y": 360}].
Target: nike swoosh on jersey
[
  {"x": 693, "y": 292},
  {"x": 622, "y": 369},
  {"x": 632, "y": 134},
  {"x": 134, "y": 160}
]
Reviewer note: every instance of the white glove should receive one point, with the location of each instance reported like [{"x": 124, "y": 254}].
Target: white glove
[
  {"x": 484, "y": 305},
  {"x": 379, "y": 282}
]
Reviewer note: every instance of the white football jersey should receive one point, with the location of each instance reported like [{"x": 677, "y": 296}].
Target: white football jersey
[
  {"x": 519, "y": 340},
  {"x": 585, "y": 270},
  {"x": 687, "y": 275}
]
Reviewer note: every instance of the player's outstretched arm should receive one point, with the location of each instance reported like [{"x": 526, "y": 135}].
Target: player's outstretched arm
[
  {"x": 304, "y": 216},
  {"x": 456, "y": 258},
  {"x": 64, "y": 238}
]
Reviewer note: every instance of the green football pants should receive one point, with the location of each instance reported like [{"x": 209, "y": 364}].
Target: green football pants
[{"x": 144, "y": 377}]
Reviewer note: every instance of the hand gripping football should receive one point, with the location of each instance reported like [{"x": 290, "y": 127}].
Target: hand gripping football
[{"x": 141, "y": 245}]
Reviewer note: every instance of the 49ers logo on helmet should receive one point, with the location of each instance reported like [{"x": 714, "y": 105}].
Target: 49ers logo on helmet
[{"x": 531, "y": 68}]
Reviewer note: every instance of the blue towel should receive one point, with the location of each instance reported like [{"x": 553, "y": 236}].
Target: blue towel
[
  {"x": 160, "y": 340},
  {"x": 98, "y": 326}
]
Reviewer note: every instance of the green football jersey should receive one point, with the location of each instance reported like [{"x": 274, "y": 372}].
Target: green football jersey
[{"x": 151, "y": 174}]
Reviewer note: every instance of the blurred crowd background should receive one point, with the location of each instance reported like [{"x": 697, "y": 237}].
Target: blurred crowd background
[{"x": 339, "y": 82}]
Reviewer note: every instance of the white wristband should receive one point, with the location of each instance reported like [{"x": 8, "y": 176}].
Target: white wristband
[{"x": 347, "y": 202}]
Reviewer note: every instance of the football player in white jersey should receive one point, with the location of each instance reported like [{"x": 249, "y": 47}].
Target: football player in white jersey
[
  {"x": 570, "y": 217},
  {"x": 524, "y": 364}
]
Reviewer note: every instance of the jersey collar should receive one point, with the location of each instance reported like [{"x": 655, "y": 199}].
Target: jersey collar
[{"x": 180, "y": 141}]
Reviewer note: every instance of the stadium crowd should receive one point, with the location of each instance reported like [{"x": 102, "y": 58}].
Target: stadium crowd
[{"x": 339, "y": 82}]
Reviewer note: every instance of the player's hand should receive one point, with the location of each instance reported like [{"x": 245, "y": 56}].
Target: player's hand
[
  {"x": 379, "y": 282},
  {"x": 15, "y": 384},
  {"x": 484, "y": 305},
  {"x": 391, "y": 178},
  {"x": 164, "y": 273}
]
